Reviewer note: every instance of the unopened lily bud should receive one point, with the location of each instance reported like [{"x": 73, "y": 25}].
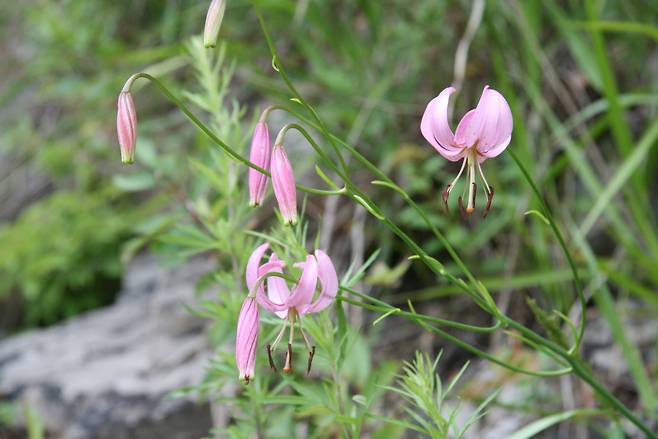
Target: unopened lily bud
[
  {"x": 126, "y": 126},
  {"x": 246, "y": 338},
  {"x": 283, "y": 182},
  {"x": 261, "y": 152},
  {"x": 213, "y": 22}
]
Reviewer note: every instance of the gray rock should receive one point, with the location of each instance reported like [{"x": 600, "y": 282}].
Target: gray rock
[{"x": 106, "y": 374}]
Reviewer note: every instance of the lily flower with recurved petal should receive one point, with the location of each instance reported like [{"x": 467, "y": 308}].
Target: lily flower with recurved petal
[
  {"x": 292, "y": 305},
  {"x": 482, "y": 133}
]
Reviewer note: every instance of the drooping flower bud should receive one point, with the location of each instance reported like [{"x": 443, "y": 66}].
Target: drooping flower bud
[
  {"x": 283, "y": 182},
  {"x": 126, "y": 126},
  {"x": 214, "y": 19},
  {"x": 261, "y": 152},
  {"x": 246, "y": 338}
]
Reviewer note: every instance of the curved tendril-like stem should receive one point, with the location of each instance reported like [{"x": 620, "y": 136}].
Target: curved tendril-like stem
[
  {"x": 421, "y": 317},
  {"x": 478, "y": 294},
  {"x": 556, "y": 231},
  {"x": 577, "y": 366},
  {"x": 226, "y": 148}
]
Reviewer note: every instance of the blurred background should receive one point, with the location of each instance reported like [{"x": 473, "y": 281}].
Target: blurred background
[{"x": 102, "y": 266}]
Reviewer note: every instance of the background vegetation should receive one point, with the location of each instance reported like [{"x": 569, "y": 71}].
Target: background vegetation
[{"x": 581, "y": 80}]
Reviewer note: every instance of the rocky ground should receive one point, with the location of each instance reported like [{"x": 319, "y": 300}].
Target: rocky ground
[{"x": 106, "y": 374}]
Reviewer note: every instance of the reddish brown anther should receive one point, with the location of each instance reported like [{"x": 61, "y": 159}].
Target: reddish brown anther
[
  {"x": 489, "y": 200},
  {"x": 269, "y": 358},
  {"x": 287, "y": 368},
  {"x": 462, "y": 209},
  {"x": 446, "y": 194},
  {"x": 311, "y": 354}
]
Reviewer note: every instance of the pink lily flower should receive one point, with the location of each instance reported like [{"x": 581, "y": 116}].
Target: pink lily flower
[
  {"x": 261, "y": 151},
  {"x": 283, "y": 182},
  {"x": 292, "y": 305},
  {"x": 126, "y": 126},
  {"x": 482, "y": 133}
]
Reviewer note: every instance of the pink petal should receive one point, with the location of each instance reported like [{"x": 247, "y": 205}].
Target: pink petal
[
  {"x": 303, "y": 292},
  {"x": 435, "y": 127},
  {"x": 260, "y": 155},
  {"x": 283, "y": 182},
  {"x": 329, "y": 282},
  {"x": 277, "y": 289},
  {"x": 263, "y": 300},
  {"x": 497, "y": 130},
  {"x": 253, "y": 263}
]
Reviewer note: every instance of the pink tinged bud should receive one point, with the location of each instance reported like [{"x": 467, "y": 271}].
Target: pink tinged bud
[
  {"x": 260, "y": 155},
  {"x": 283, "y": 182},
  {"x": 126, "y": 126},
  {"x": 214, "y": 19},
  {"x": 246, "y": 339}
]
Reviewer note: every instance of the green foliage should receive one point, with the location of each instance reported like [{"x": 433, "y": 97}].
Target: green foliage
[
  {"x": 62, "y": 255},
  {"x": 421, "y": 387}
]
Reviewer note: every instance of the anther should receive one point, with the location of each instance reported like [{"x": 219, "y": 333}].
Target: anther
[
  {"x": 269, "y": 358},
  {"x": 287, "y": 368},
  {"x": 446, "y": 194},
  {"x": 462, "y": 210},
  {"x": 311, "y": 354},
  {"x": 490, "y": 196}
]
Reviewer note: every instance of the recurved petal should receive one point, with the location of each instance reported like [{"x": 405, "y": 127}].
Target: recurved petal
[
  {"x": 277, "y": 288},
  {"x": 470, "y": 127},
  {"x": 263, "y": 300},
  {"x": 435, "y": 127},
  {"x": 328, "y": 280},
  {"x": 497, "y": 130},
  {"x": 302, "y": 293},
  {"x": 253, "y": 263}
]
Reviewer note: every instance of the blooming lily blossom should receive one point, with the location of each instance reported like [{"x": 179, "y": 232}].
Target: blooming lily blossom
[
  {"x": 126, "y": 125},
  {"x": 214, "y": 19},
  {"x": 283, "y": 183},
  {"x": 483, "y": 132},
  {"x": 246, "y": 338},
  {"x": 261, "y": 151},
  {"x": 292, "y": 305}
]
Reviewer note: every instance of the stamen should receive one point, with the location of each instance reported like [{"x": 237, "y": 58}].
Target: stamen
[
  {"x": 269, "y": 358},
  {"x": 279, "y": 336},
  {"x": 462, "y": 211},
  {"x": 484, "y": 180},
  {"x": 489, "y": 200},
  {"x": 446, "y": 192},
  {"x": 287, "y": 368},
  {"x": 311, "y": 354},
  {"x": 301, "y": 329}
]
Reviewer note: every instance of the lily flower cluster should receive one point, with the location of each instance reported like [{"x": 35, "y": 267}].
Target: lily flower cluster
[
  {"x": 483, "y": 132},
  {"x": 269, "y": 290}
]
